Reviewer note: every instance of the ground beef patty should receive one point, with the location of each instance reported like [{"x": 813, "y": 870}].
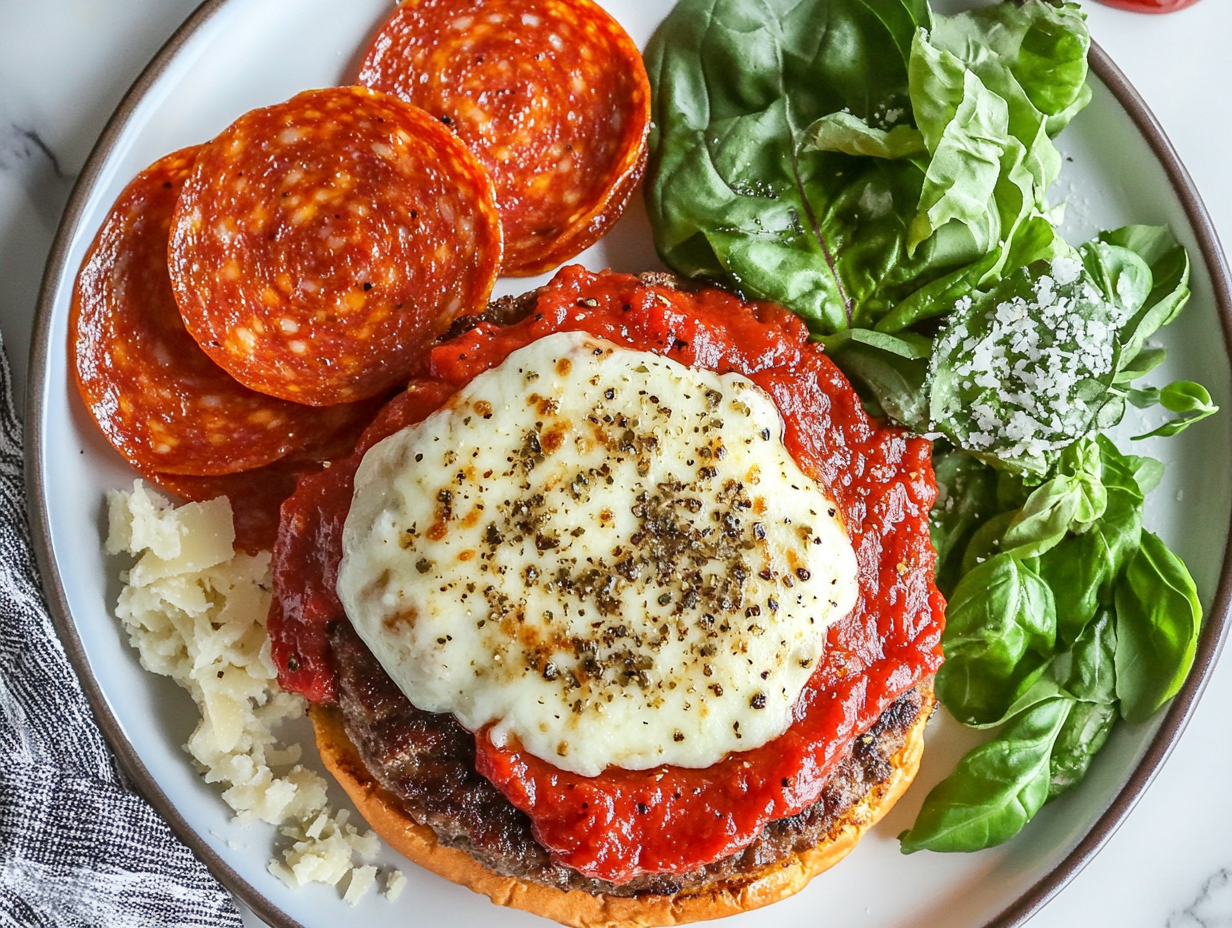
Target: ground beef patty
[{"x": 427, "y": 760}]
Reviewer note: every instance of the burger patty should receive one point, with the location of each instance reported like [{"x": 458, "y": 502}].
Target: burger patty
[{"x": 427, "y": 760}]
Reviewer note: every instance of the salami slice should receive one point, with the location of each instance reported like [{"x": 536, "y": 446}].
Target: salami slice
[
  {"x": 155, "y": 395},
  {"x": 320, "y": 244},
  {"x": 552, "y": 97}
]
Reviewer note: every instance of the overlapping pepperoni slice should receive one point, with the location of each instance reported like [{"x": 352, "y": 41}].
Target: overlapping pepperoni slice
[
  {"x": 162, "y": 403},
  {"x": 257, "y": 495},
  {"x": 552, "y": 97},
  {"x": 320, "y": 244}
]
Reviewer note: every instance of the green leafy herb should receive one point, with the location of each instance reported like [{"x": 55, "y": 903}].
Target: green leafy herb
[
  {"x": 967, "y": 496},
  {"x": 1088, "y": 669},
  {"x": 1169, "y": 266},
  {"x": 1190, "y": 400},
  {"x": 1147, "y": 472},
  {"x": 1000, "y": 629},
  {"x": 1084, "y": 733},
  {"x": 1142, "y": 364},
  {"x": 1157, "y": 622},
  {"x": 1070, "y": 502},
  {"x": 1122, "y": 276},
  {"x": 996, "y": 789},
  {"x": 818, "y": 153},
  {"x": 1082, "y": 568},
  {"x": 1021, "y": 372},
  {"x": 1089, "y": 676},
  {"x": 890, "y": 369}
]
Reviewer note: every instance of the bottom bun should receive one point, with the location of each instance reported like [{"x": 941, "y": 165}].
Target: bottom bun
[{"x": 580, "y": 909}]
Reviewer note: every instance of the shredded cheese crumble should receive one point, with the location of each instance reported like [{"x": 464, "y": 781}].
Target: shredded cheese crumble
[{"x": 195, "y": 610}]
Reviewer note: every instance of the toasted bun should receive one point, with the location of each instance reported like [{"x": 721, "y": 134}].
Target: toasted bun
[{"x": 584, "y": 910}]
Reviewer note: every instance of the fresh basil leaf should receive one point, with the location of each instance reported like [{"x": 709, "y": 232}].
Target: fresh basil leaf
[
  {"x": 1169, "y": 266},
  {"x": 938, "y": 297},
  {"x": 887, "y": 369},
  {"x": 1153, "y": 244},
  {"x": 1086, "y": 674},
  {"x": 1082, "y": 569},
  {"x": 966, "y": 496},
  {"x": 1147, "y": 472},
  {"x": 1089, "y": 674},
  {"x": 1121, "y": 275},
  {"x": 1110, "y": 414},
  {"x": 1190, "y": 400},
  {"x": 906, "y": 345},
  {"x": 997, "y": 787},
  {"x": 851, "y": 135},
  {"x": 1020, "y": 373},
  {"x": 1158, "y": 618},
  {"x": 985, "y": 542},
  {"x": 895, "y": 383},
  {"x": 1037, "y": 240},
  {"x": 1142, "y": 364},
  {"x": 1069, "y": 502},
  {"x": 1089, "y": 669},
  {"x": 1039, "y": 687},
  {"x": 1085, "y": 731},
  {"x": 1000, "y": 629},
  {"x": 1012, "y": 491},
  {"x": 1034, "y": 240},
  {"x": 1078, "y": 571}
]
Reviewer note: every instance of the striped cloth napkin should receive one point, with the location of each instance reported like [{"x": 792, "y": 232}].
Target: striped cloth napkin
[{"x": 78, "y": 848}]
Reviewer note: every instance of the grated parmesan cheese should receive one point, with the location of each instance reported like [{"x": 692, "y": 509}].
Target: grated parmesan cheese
[
  {"x": 195, "y": 610},
  {"x": 323, "y": 850},
  {"x": 1024, "y": 366},
  {"x": 395, "y": 882},
  {"x": 362, "y": 879}
]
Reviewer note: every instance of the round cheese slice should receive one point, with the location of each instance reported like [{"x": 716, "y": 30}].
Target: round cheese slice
[{"x": 601, "y": 553}]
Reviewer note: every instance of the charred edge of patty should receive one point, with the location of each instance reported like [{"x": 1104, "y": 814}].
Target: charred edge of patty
[{"x": 427, "y": 761}]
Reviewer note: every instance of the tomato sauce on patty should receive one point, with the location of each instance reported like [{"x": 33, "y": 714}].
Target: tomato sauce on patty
[{"x": 622, "y": 823}]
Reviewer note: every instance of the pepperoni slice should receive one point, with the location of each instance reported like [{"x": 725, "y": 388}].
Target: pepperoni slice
[
  {"x": 552, "y": 97},
  {"x": 257, "y": 495},
  {"x": 319, "y": 245},
  {"x": 155, "y": 395}
]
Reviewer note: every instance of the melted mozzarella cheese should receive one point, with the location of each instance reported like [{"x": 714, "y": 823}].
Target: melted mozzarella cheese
[{"x": 602, "y": 553}]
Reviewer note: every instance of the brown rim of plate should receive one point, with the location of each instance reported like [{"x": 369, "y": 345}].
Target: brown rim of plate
[{"x": 1016, "y": 914}]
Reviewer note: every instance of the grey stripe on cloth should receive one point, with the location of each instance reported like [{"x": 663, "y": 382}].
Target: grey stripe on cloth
[{"x": 77, "y": 848}]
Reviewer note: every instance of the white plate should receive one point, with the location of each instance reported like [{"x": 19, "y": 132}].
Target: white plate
[{"x": 234, "y": 55}]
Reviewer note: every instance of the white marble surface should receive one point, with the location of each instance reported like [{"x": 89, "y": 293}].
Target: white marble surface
[{"x": 64, "y": 64}]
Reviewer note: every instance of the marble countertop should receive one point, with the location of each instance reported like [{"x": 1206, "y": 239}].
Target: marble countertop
[{"x": 64, "y": 65}]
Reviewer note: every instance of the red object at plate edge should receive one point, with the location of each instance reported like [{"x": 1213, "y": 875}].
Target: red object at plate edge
[{"x": 1149, "y": 6}]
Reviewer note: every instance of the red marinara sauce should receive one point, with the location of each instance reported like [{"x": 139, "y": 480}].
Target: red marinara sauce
[
  {"x": 668, "y": 819},
  {"x": 1149, "y": 6}
]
